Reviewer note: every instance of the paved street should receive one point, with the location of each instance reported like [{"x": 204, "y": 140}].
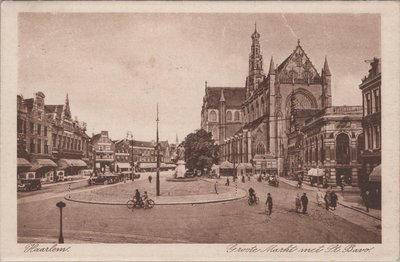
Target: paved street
[{"x": 226, "y": 222}]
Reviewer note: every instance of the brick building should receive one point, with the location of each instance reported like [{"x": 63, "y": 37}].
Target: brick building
[{"x": 103, "y": 152}]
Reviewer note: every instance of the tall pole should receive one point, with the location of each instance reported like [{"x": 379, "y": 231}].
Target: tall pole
[{"x": 158, "y": 160}]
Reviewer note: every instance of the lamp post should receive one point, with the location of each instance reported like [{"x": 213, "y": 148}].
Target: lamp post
[
  {"x": 130, "y": 135},
  {"x": 61, "y": 205},
  {"x": 158, "y": 160}
]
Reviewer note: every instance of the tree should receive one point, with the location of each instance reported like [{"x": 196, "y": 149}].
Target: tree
[{"x": 200, "y": 150}]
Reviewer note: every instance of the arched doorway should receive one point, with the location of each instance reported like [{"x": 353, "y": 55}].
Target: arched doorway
[{"x": 343, "y": 174}]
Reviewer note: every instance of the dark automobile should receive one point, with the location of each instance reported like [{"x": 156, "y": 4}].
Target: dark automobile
[
  {"x": 29, "y": 184},
  {"x": 136, "y": 175},
  {"x": 104, "y": 179}
]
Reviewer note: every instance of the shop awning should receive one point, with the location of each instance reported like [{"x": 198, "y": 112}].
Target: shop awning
[
  {"x": 39, "y": 163},
  {"x": 226, "y": 165},
  {"x": 123, "y": 165},
  {"x": 375, "y": 175},
  {"x": 171, "y": 165},
  {"x": 245, "y": 166},
  {"x": 148, "y": 165},
  {"x": 126, "y": 172},
  {"x": 64, "y": 163},
  {"x": 316, "y": 172},
  {"x": 22, "y": 162}
]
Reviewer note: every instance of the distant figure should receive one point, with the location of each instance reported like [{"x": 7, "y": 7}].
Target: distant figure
[
  {"x": 138, "y": 197},
  {"x": 150, "y": 178},
  {"x": 327, "y": 199},
  {"x": 145, "y": 199},
  {"x": 227, "y": 182},
  {"x": 248, "y": 177},
  {"x": 298, "y": 204},
  {"x": 320, "y": 197},
  {"x": 252, "y": 194},
  {"x": 365, "y": 197},
  {"x": 243, "y": 180},
  {"x": 299, "y": 182},
  {"x": 334, "y": 199},
  {"x": 304, "y": 202},
  {"x": 268, "y": 204},
  {"x": 215, "y": 187}
]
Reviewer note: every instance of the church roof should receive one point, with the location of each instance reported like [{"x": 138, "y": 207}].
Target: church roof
[
  {"x": 296, "y": 65},
  {"x": 234, "y": 96},
  {"x": 54, "y": 109}
]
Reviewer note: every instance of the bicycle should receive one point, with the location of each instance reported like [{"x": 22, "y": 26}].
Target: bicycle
[
  {"x": 252, "y": 201},
  {"x": 133, "y": 203}
]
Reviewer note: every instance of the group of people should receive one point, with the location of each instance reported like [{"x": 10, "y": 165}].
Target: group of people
[
  {"x": 268, "y": 202},
  {"x": 329, "y": 199},
  {"x": 301, "y": 203}
]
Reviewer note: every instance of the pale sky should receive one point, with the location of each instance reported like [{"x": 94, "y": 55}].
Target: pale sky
[{"x": 117, "y": 67}]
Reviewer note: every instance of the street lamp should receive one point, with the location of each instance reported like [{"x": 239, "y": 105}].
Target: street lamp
[
  {"x": 129, "y": 134},
  {"x": 61, "y": 205},
  {"x": 158, "y": 160}
]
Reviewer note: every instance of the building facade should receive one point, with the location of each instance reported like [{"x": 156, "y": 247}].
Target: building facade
[
  {"x": 371, "y": 157},
  {"x": 266, "y": 107},
  {"x": 52, "y": 142},
  {"x": 221, "y": 113},
  {"x": 331, "y": 141},
  {"x": 103, "y": 150}
]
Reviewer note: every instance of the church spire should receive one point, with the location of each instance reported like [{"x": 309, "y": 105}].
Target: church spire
[
  {"x": 272, "y": 67},
  {"x": 256, "y": 73},
  {"x": 327, "y": 72},
  {"x": 222, "y": 98},
  {"x": 66, "y": 109}
]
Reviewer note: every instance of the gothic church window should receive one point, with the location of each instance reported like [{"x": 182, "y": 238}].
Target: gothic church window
[
  {"x": 229, "y": 116},
  {"x": 260, "y": 149},
  {"x": 213, "y": 116},
  {"x": 236, "y": 116}
]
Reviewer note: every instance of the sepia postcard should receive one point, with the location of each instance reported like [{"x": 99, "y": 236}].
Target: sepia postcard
[{"x": 199, "y": 131}]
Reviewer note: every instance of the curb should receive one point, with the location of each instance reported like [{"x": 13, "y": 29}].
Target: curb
[
  {"x": 163, "y": 204},
  {"x": 344, "y": 205}
]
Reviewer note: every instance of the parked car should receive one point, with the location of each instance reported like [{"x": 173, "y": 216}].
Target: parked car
[
  {"x": 29, "y": 184},
  {"x": 136, "y": 175},
  {"x": 104, "y": 179}
]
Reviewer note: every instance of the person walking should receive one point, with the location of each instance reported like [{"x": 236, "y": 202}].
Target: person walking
[
  {"x": 216, "y": 187},
  {"x": 365, "y": 197},
  {"x": 327, "y": 199},
  {"x": 227, "y": 182},
  {"x": 304, "y": 202},
  {"x": 298, "y": 203},
  {"x": 150, "y": 178},
  {"x": 243, "y": 180},
  {"x": 334, "y": 199},
  {"x": 269, "y": 204},
  {"x": 320, "y": 197}
]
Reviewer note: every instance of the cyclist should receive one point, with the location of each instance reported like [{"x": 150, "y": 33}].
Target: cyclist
[
  {"x": 252, "y": 194},
  {"x": 138, "y": 197},
  {"x": 145, "y": 199}
]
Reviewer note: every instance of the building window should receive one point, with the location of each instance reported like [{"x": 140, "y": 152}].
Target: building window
[
  {"x": 32, "y": 146},
  {"x": 377, "y": 101},
  {"x": 19, "y": 126},
  {"x": 378, "y": 137},
  {"x": 39, "y": 146},
  {"x": 369, "y": 103},
  {"x": 229, "y": 116},
  {"x": 237, "y": 116},
  {"x": 46, "y": 147},
  {"x": 39, "y": 129},
  {"x": 360, "y": 147},
  {"x": 45, "y": 131},
  {"x": 32, "y": 128},
  {"x": 260, "y": 149},
  {"x": 213, "y": 116},
  {"x": 342, "y": 149}
]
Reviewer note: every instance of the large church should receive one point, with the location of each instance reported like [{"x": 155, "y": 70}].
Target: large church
[{"x": 251, "y": 124}]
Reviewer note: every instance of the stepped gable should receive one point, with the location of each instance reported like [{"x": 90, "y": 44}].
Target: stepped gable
[
  {"x": 298, "y": 68},
  {"x": 233, "y": 96}
]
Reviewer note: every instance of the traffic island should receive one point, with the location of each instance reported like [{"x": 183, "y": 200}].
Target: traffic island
[{"x": 195, "y": 192}]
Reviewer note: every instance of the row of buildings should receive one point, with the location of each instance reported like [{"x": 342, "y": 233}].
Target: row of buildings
[
  {"x": 51, "y": 145},
  {"x": 283, "y": 121}
]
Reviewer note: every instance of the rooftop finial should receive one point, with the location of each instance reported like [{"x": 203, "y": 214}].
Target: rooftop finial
[
  {"x": 298, "y": 41},
  {"x": 255, "y": 26},
  {"x": 205, "y": 83}
]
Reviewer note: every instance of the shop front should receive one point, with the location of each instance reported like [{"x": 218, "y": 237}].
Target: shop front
[
  {"x": 43, "y": 169},
  {"x": 69, "y": 167}
]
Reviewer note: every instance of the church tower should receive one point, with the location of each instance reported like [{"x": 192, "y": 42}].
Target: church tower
[{"x": 256, "y": 73}]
